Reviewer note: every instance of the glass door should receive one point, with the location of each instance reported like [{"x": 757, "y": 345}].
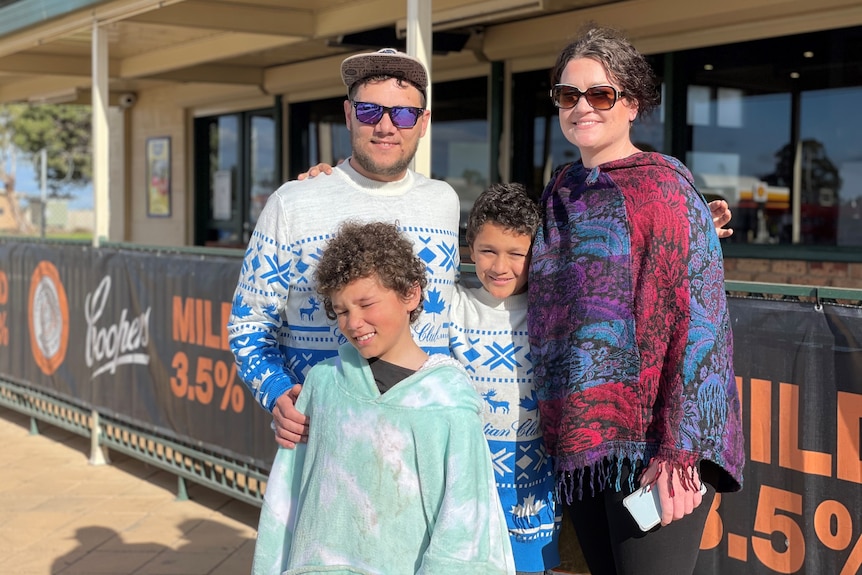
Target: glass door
[
  {"x": 263, "y": 176},
  {"x": 236, "y": 170}
]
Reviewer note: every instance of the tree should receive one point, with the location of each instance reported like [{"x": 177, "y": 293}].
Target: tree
[
  {"x": 818, "y": 171},
  {"x": 64, "y": 131}
]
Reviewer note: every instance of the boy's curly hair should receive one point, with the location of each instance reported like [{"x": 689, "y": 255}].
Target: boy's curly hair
[
  {"x": 359, "y": 251},
  {"x": 506, "y": 205}
]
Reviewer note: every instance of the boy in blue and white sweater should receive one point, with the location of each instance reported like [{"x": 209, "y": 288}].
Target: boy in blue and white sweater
[{"x": 488, "y": 335}]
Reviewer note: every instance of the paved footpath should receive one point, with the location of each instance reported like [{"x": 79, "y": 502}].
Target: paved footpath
[{"x": 60, "y": 515}]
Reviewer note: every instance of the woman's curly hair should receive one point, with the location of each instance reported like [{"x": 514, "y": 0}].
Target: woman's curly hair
[
  {"x": 621, "y": 61},
  {"x": 360, "y": 251}
]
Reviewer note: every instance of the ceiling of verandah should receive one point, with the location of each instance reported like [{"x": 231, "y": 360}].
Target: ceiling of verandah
[{"x": 228, "y": 42}]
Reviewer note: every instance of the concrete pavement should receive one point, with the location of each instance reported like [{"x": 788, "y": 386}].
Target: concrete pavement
[{"x": 60, "y": 515}]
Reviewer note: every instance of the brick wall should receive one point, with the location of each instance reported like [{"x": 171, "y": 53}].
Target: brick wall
[{"x": 827, "y": 274}]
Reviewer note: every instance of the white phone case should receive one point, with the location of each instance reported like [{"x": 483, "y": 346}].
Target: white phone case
[{"x": 645, "y": 506}]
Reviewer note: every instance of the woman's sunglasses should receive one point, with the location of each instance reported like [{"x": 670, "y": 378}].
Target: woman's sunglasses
[
  {"x": 566, "y": 96},
  {"x": 401, "y": 116}
]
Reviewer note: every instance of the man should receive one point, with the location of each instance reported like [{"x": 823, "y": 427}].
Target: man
[{"x": 278, "y": 328}]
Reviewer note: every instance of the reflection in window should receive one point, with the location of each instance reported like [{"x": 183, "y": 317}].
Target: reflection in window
[
  {"x": 235, "y": 172},
  {"x": 647, "y": 132},
  {"x": 223, "y": 166},
  {"x": 831, "y": 166},
  {"x": 735, "y": 139},
  {"x": 460, "y": 148},
  {"x": 329, "y": 140},
  {"x": 262, "y": 165},
  {"x": 318, "y": 133},
  {"x": 747, "y": 101}
]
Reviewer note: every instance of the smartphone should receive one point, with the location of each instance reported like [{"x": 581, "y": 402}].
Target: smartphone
[{"x": 645, "y": 506}]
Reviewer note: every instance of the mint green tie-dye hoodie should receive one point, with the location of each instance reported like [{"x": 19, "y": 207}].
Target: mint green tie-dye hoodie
[{"x": 388, "y": 484}]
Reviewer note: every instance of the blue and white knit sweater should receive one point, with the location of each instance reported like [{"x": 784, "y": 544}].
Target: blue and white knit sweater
[
  {"x": 489, "y": 337},
  {"x": 278, "y": 329}
]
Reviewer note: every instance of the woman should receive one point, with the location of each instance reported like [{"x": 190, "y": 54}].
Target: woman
[{"x": 628, "y": 324}]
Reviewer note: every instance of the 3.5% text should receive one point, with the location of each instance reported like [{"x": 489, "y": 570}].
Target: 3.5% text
[{"x": 209, "y": 375}]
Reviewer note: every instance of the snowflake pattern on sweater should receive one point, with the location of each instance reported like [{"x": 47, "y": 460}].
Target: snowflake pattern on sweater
[
  {"x": 489, "y": 337},
  {"x": 278, "y": 329}
]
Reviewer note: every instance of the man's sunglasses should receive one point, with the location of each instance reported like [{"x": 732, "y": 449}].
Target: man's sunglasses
[
  {"x": 401, "y": 116},
  {"x": 566, "y": 96}
]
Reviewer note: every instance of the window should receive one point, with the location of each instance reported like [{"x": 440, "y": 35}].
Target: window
[
  {"x": 318, "y": 134},
  {"x": 460, "y": 149},
  {"x": 773, "y": 126},
  {"x": 770, "y": 125},
  {"x": 236, "y": 170}
]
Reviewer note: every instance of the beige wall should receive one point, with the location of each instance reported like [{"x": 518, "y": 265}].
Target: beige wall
[
  {"x": 118, "y": 180},
  {"x": 157, "y": 114}
]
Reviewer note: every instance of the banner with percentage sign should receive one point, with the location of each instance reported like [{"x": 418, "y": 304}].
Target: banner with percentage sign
[
  {"x": 142, "y": 335},
  {"x": 799, "y": 370},
  {"x": 139, "y": 335}
]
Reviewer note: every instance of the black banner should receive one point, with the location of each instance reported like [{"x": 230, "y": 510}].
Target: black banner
[
  {"x": 140, "y": 336},
  {"x": 799, "y": 370}
]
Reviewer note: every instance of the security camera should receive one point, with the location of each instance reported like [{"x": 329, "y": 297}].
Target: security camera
[{"x": 127, "y": 100}]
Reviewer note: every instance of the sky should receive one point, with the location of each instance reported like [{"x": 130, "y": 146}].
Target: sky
[{"x": 27, "y": 184}]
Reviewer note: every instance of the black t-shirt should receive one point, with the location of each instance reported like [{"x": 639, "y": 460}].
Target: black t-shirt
[{"x": 386, "y": 374}]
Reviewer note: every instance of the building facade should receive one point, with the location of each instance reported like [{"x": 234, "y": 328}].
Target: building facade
[{"x": 210, "y": 105}]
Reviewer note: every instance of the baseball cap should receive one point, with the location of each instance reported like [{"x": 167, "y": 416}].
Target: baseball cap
[{"x": 387, "y": 61}]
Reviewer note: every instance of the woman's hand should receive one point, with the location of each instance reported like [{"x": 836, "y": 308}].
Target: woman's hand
[
  {"x": 720, "y": 217},
  {"x": 676, "y": 501}
]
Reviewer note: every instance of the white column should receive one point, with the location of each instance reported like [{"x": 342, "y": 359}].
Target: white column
[
  {"x": 504, "y": 163},
  {"x": 100, "y": 138},
  {"x": 419, "y": 46}
]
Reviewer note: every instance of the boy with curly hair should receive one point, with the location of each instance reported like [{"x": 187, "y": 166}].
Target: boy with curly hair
[{"x": 396, "y": 476}]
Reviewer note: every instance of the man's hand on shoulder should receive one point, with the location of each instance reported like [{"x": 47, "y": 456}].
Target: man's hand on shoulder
[{"x": 290, "y": 426}]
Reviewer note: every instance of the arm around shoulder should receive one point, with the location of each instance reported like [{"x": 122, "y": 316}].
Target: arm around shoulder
[{"x": 256, "y": 319}]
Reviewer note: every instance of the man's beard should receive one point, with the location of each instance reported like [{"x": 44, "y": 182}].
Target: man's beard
[{"x": 367, "y": 163}]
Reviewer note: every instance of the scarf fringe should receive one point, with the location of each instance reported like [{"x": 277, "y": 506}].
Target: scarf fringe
[{"x": 599, "y": 471}]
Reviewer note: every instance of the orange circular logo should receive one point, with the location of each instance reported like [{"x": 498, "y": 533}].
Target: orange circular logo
[
  {"x": 4, "y": 288},
  {"x": 48, "y": 314}
]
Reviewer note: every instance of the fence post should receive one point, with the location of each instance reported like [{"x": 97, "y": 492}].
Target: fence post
[{"x": 98, "y": 454}]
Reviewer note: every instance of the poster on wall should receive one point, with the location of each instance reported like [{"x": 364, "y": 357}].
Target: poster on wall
[{"x": 159, "y": 177}]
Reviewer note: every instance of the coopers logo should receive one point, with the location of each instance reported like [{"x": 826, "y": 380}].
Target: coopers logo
[
  {"x": 119, "y": 343},
  {"x": 48, "y": 315}
]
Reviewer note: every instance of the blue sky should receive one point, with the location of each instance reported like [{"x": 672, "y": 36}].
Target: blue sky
[{"x": 27, "y": 183}]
